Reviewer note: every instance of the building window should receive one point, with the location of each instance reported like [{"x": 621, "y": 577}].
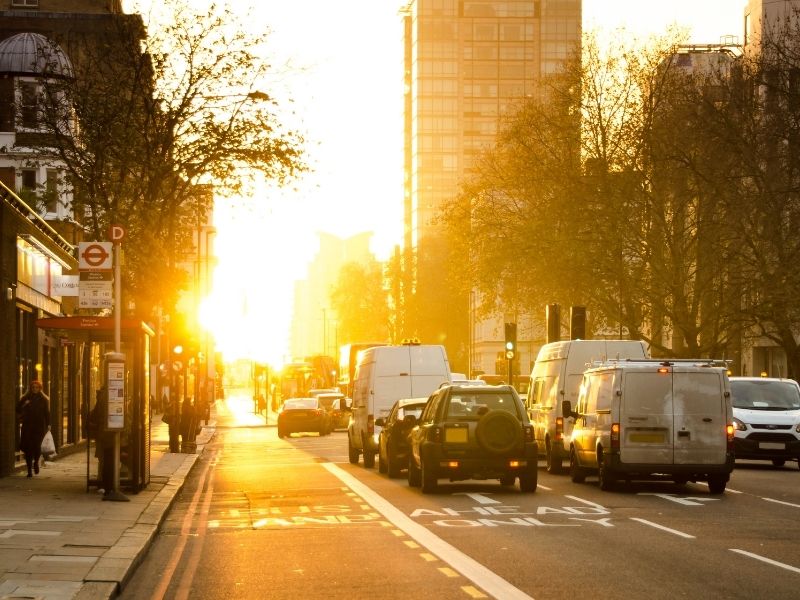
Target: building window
[
  {"x": 29, "y": 97},
  {"x": 51, "y": 191},
  {"x": 29, "y": 179}
]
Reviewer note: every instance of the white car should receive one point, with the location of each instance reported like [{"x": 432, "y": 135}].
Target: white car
[{"x": 766, "y": 419}]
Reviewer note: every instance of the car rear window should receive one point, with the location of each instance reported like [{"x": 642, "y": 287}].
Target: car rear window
[
  {"x": 411, "y": 409},
  {"x": 467, "y": 406},
  {"x": 765, "y": 395},
  {"x": 301, "y": 403}
]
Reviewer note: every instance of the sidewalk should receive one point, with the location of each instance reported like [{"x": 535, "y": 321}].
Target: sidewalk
[{"x": 59, "y": 542}]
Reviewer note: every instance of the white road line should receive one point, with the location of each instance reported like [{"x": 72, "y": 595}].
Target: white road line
[
  {"x": 589, "y": 502},
  {"x": 468, "y": 567},
  {"x": 657, "y": 526},
  {"x": 766, "y": 560},
  {"x": 781, "y": 502},
  {"x": 543, "y": 487}
]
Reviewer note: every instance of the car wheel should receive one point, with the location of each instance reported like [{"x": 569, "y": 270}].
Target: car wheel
[
  {"x": 577, "y": 473},
  {"x": 605, "y": 475},
  {"x": 414, "y": 475},
  {"x": 498, "y": 432},
  {"x": 352, "y": 452},
  {"x": 717, "y": 483},
  {"x": 554, "y": 465},
  {"x": 369, "y": 457},
  {"x": 428, "y": 478},
  {"x": 507, "y": 479},
  {"x": 528, "y": 481},
  {"x": 382, "y": 468},
  {"x": 778, "y": 462},
  {"x": 392, "y": 465},
  {"x": 281, "y": 434}
]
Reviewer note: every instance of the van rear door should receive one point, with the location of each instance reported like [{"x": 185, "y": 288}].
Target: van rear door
[
  {"x": 700, "y": 416},
  {"x": 646, "y": 417}
]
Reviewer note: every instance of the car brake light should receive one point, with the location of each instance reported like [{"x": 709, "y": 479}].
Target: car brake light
[
  {"x": 559, "y": 428},
  {"x": 729, "y": 429},
  {"x": 615, "y": 432},
  {"x": 370, "y": 424}
]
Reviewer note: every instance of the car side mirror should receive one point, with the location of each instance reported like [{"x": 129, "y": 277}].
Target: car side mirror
[
  {"x": 380, "y": 422},
  {"x": 410, "y": 420}
]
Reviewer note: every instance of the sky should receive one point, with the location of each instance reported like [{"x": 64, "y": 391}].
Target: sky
[{"x": 345, "y": 84}]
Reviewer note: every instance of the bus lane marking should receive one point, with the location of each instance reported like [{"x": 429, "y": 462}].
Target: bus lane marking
[
  {"x": 590, "y": 513},
  {"x": 686, "y": 501},
  {"x": 477, "y": 573},
  {"x": 769, "y": 561}
]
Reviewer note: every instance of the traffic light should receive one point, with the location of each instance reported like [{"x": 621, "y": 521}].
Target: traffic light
[{"x": 511, "y": 340}]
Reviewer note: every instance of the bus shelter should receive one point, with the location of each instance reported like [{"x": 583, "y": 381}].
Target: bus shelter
[{"x": 94, "y": 339}]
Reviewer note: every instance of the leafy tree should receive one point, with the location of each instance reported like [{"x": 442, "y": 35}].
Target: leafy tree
[
  {"x": 149, "y": 121},
  {"x": 361, "y": 303}
]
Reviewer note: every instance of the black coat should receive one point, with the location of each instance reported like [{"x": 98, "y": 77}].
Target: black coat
[{"x": 34, "y": 413}]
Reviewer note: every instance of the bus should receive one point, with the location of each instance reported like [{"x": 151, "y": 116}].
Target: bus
[{"x": 348, "y": 358}]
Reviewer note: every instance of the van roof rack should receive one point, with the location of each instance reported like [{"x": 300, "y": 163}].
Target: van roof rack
[{"x": 668, "y": 362}]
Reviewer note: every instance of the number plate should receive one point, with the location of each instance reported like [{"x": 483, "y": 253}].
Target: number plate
[
  {"x": 647, "y": 438},
  {"x": 772, "y": 446},
  {"x": 456, "y": 435}
]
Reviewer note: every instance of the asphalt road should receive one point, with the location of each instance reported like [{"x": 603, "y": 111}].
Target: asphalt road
[{"x": 269, "y": 518}]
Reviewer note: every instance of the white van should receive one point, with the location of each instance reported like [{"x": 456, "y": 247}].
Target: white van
[
  {"x": 556, "y": 376},
  {"x": 653, "y": 419},
  {"x": 383, "y": 375}
]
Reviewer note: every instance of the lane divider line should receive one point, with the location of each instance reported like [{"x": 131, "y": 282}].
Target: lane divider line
[
  {"x": 769, "y": 561},
  {"x": 468, "y": 567},
  {"x": 781, "y": 502},
  {"x": 661, "y": 527}
]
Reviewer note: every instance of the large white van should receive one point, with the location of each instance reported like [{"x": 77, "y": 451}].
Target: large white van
[
  {"x": 383, "y": 375},
  {"x": 653, "y": 419},
  {"x": 556, "y": 376}
]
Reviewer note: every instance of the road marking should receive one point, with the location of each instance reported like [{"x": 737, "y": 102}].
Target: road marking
[
  {"x": 472, "y": 592},
  {"x": 589, "y": 502},
  {"x": 657, "y": 526},
  {"x": 412, "y": 545},
  {"x": 479, "y": 498},
  {"x": 781, "y": 502},
  {"x": 447, "y": 572},
  {"x": 397, "y": 533},
  {"x": 687, "y": 501},
  {"x": 769, "y": 561},
  {"x": 428, "y": 557},
  {"x": 543, "y": 487},
  {"x": 460, "y": 562}
]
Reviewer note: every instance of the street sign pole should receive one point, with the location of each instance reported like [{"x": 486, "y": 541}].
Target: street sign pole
[{"x": 116, "y": 495}]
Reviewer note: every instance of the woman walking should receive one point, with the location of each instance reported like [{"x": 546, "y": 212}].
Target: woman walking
[{"x": 33, "y": 410}]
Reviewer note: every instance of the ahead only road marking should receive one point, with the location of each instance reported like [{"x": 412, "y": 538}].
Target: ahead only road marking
[{"x": 468, "y": 567}]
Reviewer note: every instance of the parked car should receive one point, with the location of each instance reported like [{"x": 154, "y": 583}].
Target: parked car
[
  {"x": 336, "y": 405},
  {"x": 766, "y": 419},
  {"x": 653, "y": 419},
  {"x": 473, "y": 432},
  {"x": 393, "y": 438},
  {"x": 299, "y": 415}
]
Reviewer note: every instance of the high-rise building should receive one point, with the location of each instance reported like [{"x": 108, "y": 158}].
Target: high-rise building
[
  {"x": 467, "y": 65},
  {"x": 761, "y": 15}
]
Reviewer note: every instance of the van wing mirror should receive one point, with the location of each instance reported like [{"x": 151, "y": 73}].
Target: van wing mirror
[{"x": 566, "y": 409}]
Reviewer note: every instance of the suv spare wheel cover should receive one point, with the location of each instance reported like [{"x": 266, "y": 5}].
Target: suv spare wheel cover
[{"x": 498, "y": 432}]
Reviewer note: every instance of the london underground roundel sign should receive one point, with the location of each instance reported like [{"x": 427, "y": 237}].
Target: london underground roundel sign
[{"x": 95, "y": 256}]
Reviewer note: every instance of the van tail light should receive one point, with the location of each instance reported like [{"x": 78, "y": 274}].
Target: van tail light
[
  {"x": 559, "y": 428},
  {"x": 435, "y": 434},
  {"x": 615, "y": 431},
  {"x": 370, "y": 424},
  {"x": 729, "y": 429},
  {"x": 528, "y": 433}
]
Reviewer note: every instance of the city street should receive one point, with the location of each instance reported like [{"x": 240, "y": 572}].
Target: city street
[{"x": 262, "y": 517}]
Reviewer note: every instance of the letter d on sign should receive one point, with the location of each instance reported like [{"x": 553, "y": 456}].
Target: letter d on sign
[{"x": 116, "y": 233}]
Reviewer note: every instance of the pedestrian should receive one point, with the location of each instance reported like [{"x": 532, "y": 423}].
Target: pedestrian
[
  {"x": 172, "y": 417},
  {"x": 33, "y": 411},
  {"x": 188, "y": 426},
  {"x": 104, "y": 441}
]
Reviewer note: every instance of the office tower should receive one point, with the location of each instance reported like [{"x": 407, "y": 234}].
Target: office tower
[{"x": 467, "y": 64}]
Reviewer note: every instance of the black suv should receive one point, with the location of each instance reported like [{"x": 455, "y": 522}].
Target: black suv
[{"x": 473, "y": 432}]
